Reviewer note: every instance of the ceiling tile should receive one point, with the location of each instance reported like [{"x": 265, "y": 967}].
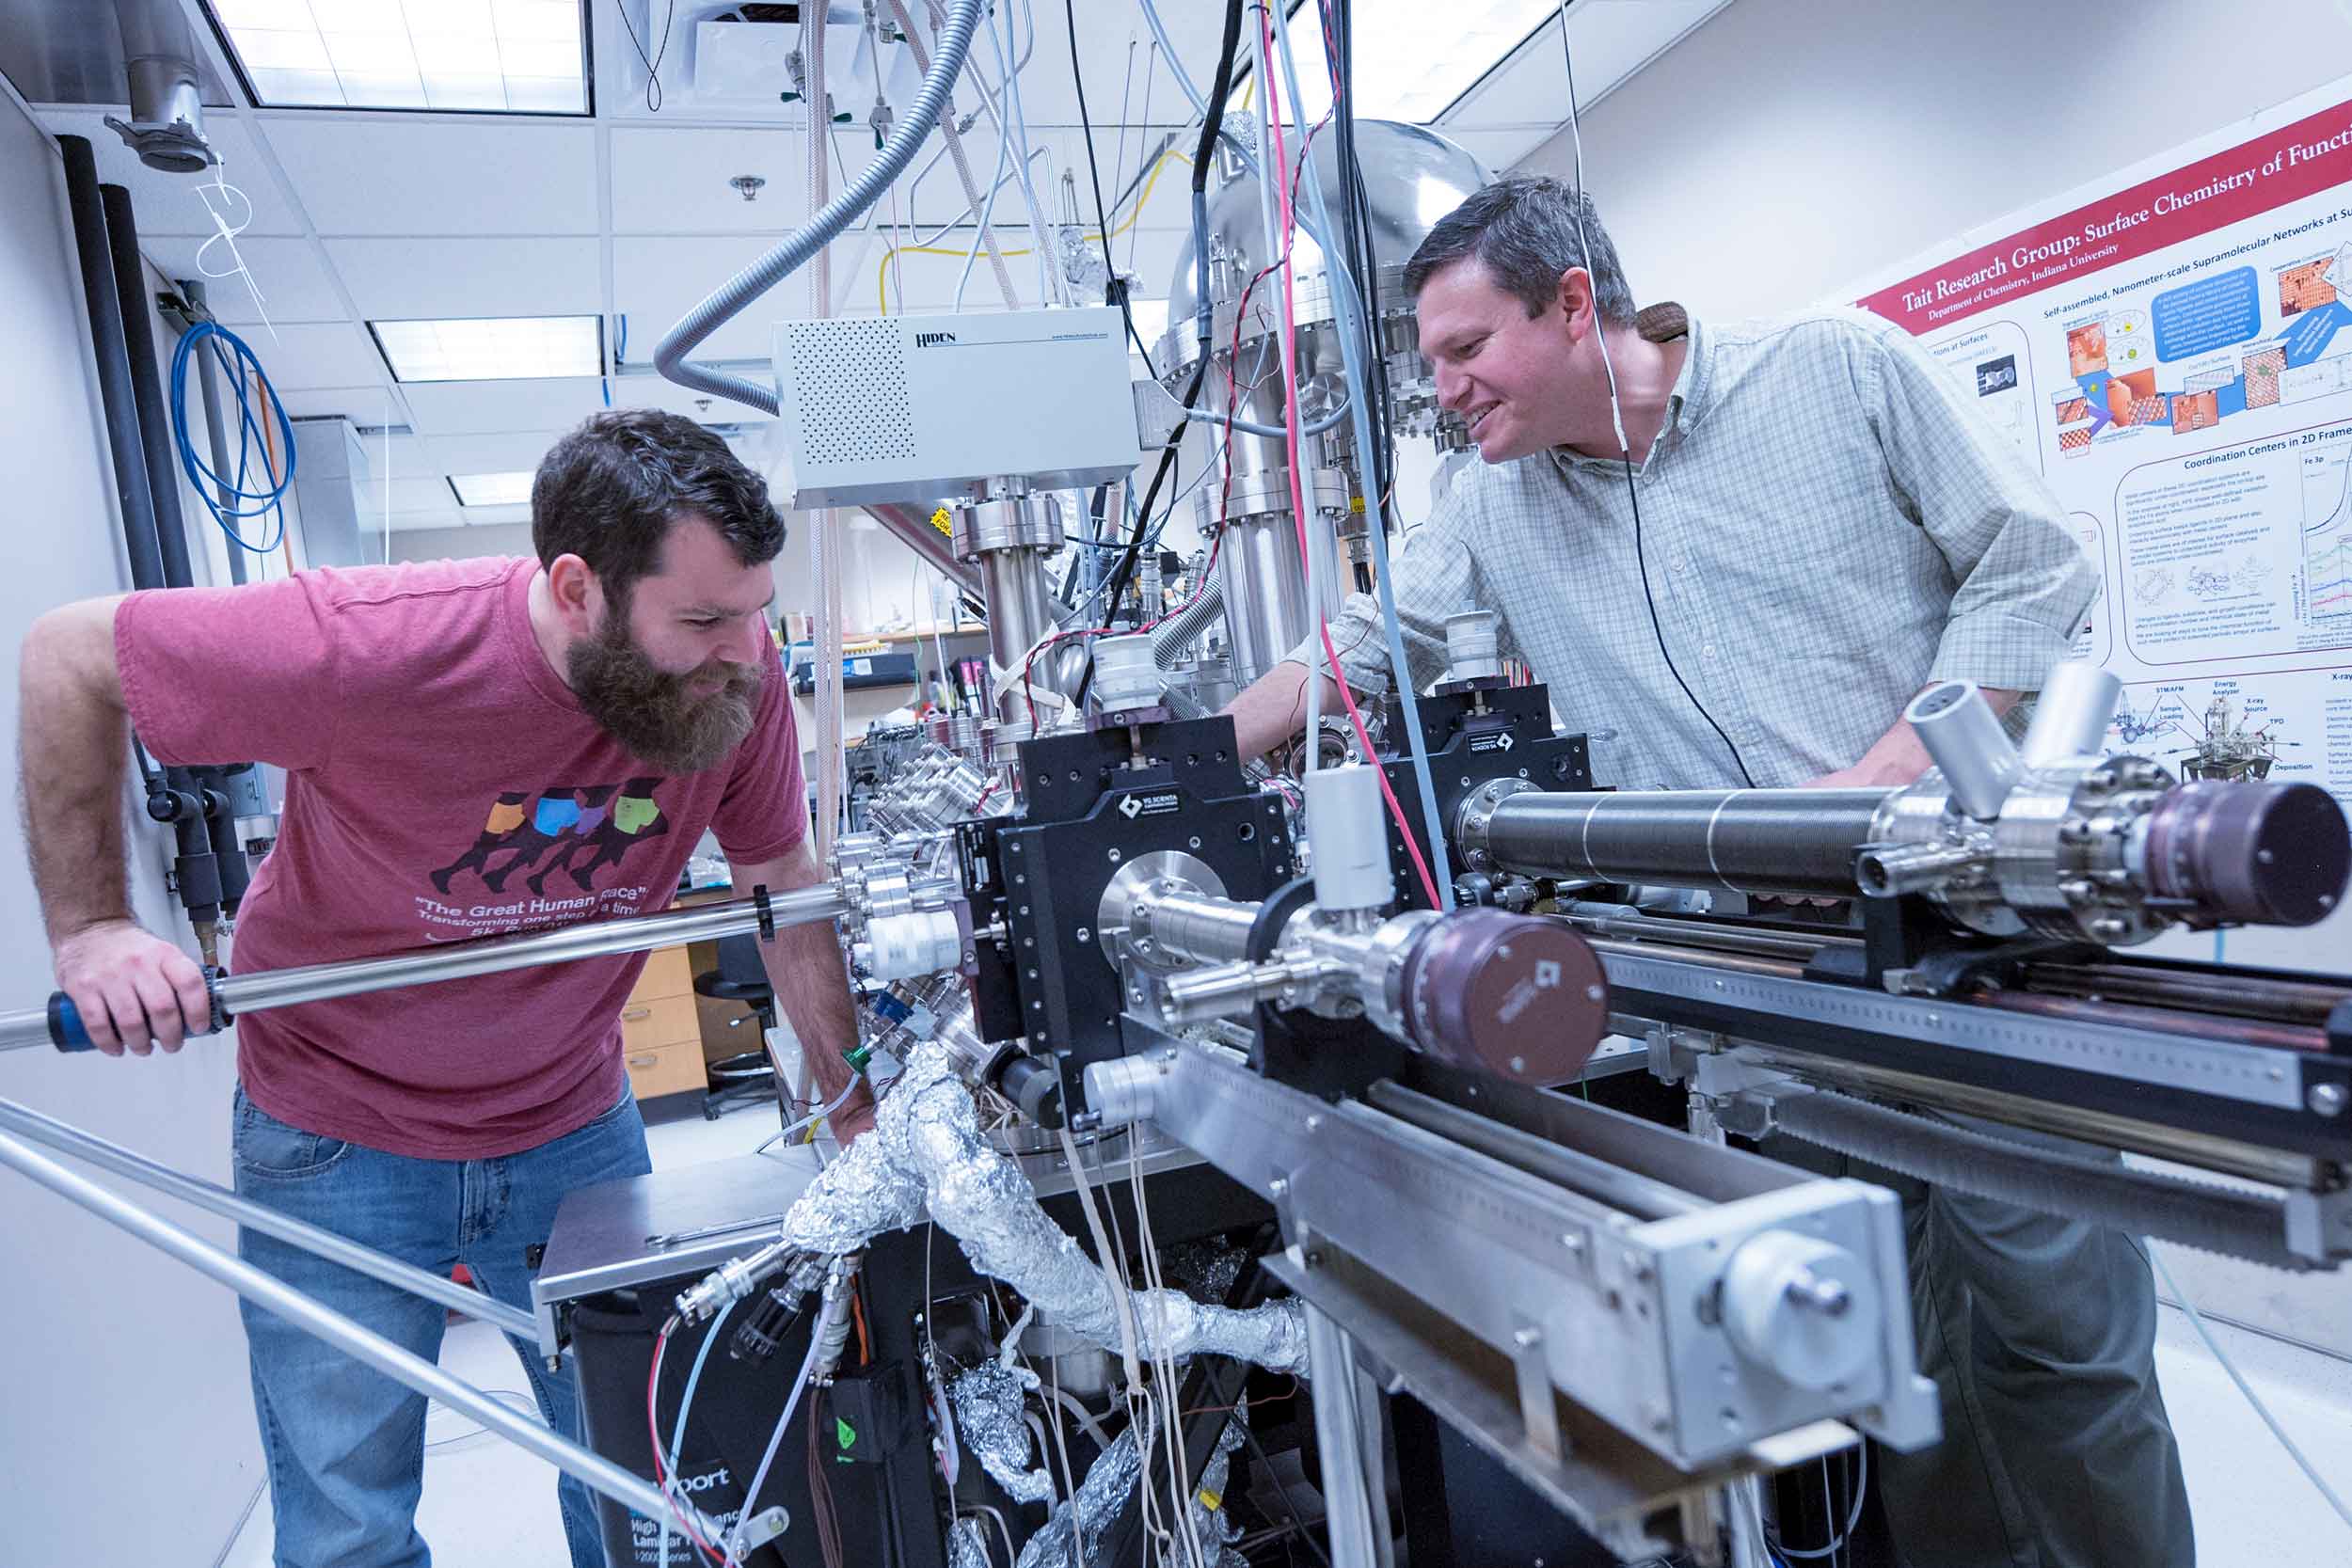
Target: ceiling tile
[
  {"x": 501, "y": 453},
  {"x": 447, "y": 408},
  {"x": 407, "y": 455},
  {"x": 295, "y": 285},
  {"x": 168, "y": 204},
  {"x": 675, "y": 181},
  {"x": 422, "y": 493},
  {"x": 1612, "y": 40},
  {"x": 409, "y": 280},
  {"x": 360, "y": 405},
  {"x": 374, "y": 175},
  {"x": 303, "y": 357},
  {"x": 1498, "y": 150},
  {"x": 496, "y": 517},
  {"x": 416, "y": 522}
]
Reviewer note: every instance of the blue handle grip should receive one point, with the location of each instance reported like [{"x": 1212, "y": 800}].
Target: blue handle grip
[
  {"x": 65, "y": 1023},
  {"x": 66, "y": 1030}
]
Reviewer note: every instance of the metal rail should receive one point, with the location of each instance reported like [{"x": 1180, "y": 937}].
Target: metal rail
[{"x": 263, "y": 990}]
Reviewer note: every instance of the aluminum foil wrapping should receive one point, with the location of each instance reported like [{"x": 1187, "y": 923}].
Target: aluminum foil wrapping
[
  {"x": 1211, "y": 1524},
  {"x": 873, "y": 1186},
  {"x": 988, "y": 1402},
  {"x": 858, "y": 1196},
  {"x": 967, "y": 1542},
  {"x": 926, "y": 1149},
  {"x": 1087, "y": 1516},
  {"x": 981, "y": 1198}
]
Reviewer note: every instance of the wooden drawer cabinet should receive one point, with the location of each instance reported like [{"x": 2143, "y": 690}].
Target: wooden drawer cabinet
[
  {"x": 664, "y": 1022},
  {"x": 668, "y": 971},
  {"x": 659, "y": 1070},
  {"x": 661, "y": 1029}
]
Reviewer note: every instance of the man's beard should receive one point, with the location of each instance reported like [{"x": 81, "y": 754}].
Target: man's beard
[{"x": 649, "y": 710}]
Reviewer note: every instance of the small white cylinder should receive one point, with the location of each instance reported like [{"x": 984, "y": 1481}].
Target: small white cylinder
[
  {"x": 1125, "y": 675},
  {"x": 1964, "y": 736},
  {"x": 1347, "y": 830},
  {"x": 1473, "y": 646},
  {"x": 2071, "y": 714}
]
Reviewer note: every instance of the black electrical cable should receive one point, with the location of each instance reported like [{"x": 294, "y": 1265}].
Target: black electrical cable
[
  {"x": 1659, "y": 631},
  {"x": 1377, "y": 467},
  {"x": 1115, "y": 290},
  {"x": 1634, "y": 491},
  {"x": 654, "y": 94}
]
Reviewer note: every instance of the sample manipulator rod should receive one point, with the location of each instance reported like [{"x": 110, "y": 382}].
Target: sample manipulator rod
[{"x": 60, "y": 1025}]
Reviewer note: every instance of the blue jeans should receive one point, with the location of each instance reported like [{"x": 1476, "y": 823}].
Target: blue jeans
[{"x": 345, "y": 1444}]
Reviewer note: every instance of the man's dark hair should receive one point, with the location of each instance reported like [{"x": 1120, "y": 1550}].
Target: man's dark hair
[
  {"x": 609, "y": 491},
  {"x": 1527, "y": 230}
]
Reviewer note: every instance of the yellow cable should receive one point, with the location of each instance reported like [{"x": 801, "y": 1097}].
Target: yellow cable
[{"x": 882, "y": 271}]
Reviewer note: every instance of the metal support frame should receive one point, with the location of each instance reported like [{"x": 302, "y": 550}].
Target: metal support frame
[
  {"x": 1618, "y": 1303},
  {"x": 273, "y": 1295}
]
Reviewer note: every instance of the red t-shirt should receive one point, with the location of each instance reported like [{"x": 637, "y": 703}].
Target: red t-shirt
[{"x": 441, "y": 785}]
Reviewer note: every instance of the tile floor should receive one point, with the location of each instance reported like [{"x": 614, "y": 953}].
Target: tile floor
[{"x": 489, "y": 1505}]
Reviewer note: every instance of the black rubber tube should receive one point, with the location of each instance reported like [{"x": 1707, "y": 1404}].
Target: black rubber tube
[
  {"x": 1787, "y": 841},
  {"x": 146, "y": 388},
  {"x": 113, "y": 365}
]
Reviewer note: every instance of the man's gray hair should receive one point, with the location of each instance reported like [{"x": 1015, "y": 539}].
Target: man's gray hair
[{"x": 1527, "y": 230}]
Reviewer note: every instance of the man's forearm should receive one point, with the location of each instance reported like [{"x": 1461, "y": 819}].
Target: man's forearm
[
  {"x": 1273, "y": 709},
  {"x": 813, "y": 992},
  {"x": 1897, "y": 757},
  {"x": 805, "y": 970},
  {"x": 72, "y": 731}
]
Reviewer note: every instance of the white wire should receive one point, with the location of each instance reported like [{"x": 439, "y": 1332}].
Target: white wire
[
  {"x": 225, "y": 232},
  {"x": 996, "y": 183},
  {"x": 2197, "y": 1321},
  {"x": 1853, "y": 1515},
  {"x": 1012, "y": 1556},
  {"x": 1179, "y": 1473},
  {"x": 814, "y": 1116},
  {"x": 775, "y": 1439},
  {"x": 686, "y": 1402},
  {"x": 1088, "y": 1421}
]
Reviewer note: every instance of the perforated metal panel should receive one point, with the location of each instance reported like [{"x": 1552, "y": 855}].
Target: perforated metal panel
[{"x": 861, "y": 368}]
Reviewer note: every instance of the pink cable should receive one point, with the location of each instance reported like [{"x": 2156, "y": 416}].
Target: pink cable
[{"x": 1290, "y": 438}]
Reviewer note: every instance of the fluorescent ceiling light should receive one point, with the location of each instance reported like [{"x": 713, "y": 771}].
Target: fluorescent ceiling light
[
  {"x": 492, "y": 489},
  {"x": 509, "y": 56},
  {"x": 1413, "y": 58},
  {"x": 492, "y": 348}
]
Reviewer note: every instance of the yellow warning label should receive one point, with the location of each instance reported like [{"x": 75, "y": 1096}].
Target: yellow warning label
[{"x": 945, "y": 524}]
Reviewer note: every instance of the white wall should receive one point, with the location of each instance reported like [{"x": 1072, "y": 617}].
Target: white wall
[
  {"x": 460, "y": 543},
  {"x": 128, "y": 1436},
  {"x": 1788, "y": 147}
]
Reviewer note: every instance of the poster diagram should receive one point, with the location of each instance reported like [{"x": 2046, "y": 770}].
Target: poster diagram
[
  {"x": 2196, "y": 357},
  {"x": 1995, "y": 365},
  {"x": 2179, "y": 337},
  {"x": 2327, "y": 540}
]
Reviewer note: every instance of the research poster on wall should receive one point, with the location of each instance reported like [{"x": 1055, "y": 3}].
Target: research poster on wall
[{"x": 2171, "y": 348}]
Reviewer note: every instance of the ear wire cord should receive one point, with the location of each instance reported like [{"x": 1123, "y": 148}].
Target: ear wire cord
[{"x": 1616, "y": 416}]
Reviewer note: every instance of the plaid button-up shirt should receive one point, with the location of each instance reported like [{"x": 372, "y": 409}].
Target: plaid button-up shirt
[{"x": 1828, "y": 525}]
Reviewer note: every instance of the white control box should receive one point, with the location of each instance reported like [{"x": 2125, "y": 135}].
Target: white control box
[{"x": 921, "y": 408}]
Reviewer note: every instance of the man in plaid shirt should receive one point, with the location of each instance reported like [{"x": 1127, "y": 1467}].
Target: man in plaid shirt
[{"x": 1798, "y": 524}]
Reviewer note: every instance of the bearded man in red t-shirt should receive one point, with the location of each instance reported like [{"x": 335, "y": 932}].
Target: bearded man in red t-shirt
[{"x": 441, "y": 726}]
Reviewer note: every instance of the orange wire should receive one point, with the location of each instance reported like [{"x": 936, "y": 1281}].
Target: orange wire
[
  {"x": 269, "y": 444},
  {"x": 857, "y": 1315}
]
